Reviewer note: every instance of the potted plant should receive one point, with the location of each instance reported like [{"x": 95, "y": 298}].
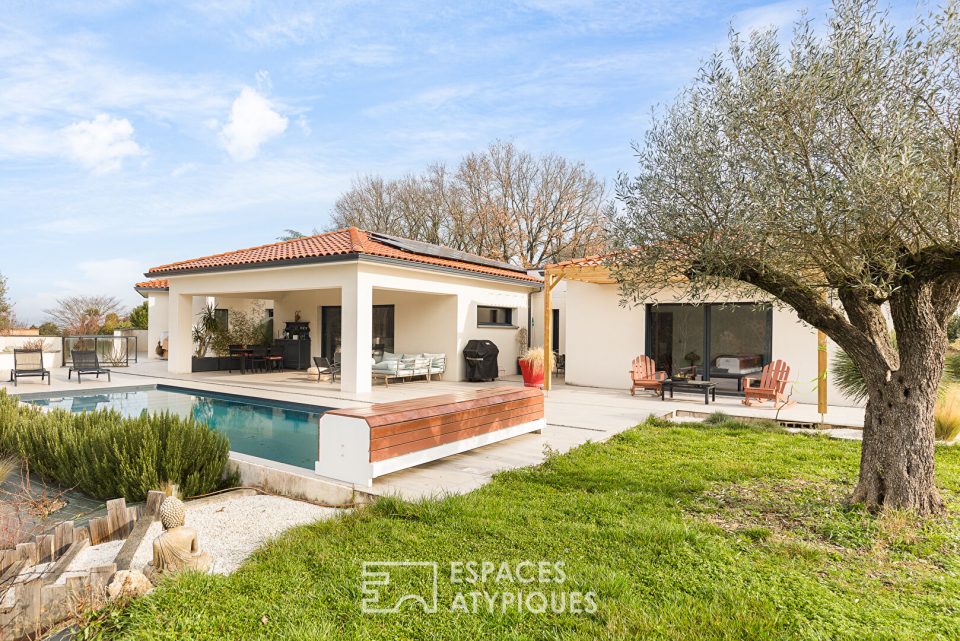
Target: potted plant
[
  {"x": 521, "y": 346},
  {"x": 532, "y": 365}
]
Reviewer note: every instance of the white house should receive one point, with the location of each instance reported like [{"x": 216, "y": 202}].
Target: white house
[
  {"x": 726, "y": 339},
  {"x": 355, "y": 289}
]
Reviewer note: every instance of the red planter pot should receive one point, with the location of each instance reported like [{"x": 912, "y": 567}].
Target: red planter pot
[{"x": 531, "y": 378}]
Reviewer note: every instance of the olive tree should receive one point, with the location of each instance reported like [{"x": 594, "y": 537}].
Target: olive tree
[{"x": 824, "y": 174}]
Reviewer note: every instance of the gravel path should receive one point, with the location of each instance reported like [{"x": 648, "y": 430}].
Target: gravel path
[{"x": 231, "y": 529}]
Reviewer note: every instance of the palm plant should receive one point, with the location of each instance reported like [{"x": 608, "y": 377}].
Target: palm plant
[{"x": 205, "y": 331}]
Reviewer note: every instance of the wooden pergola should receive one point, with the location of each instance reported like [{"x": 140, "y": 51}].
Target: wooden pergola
[
  {"x": 594, "y": 270},
  {"x": 588, "y": 270}
]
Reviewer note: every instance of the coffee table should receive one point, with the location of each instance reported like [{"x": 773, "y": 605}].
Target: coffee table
[{"x": 708, "y": 389}]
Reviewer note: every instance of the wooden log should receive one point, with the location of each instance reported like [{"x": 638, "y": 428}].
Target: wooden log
[
  {"x": 152, "y": 506},
  {"x": 99, "y": 578},
  {"x": 12, "y": 571},
  {"x": 8, "y": 558},
  {"x": 45, "y": 549},
  {"x": 30, "y": 601},
  {"x": 125, "y": 556},
  {"x": 98, "y": 528},
  {"x": 62, "y": 537},
  {"x": 76, "y": 593},
  {"x": 64, "y": 561},
  {"x": 116, "y": 518},
  {"x": 29, "y": 552}
]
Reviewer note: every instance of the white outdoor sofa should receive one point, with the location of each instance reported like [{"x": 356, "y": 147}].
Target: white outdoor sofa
[{"x": 393, "y": 367}]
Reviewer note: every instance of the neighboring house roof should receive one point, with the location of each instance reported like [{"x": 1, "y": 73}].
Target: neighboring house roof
[
  {"x": 159, "y": 284},
  {"x": 346, "y": 244}
]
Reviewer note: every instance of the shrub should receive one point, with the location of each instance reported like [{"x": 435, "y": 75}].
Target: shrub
[
  {"x": 717, "y": 418},
  {"x": 847, "y": 376},
  {"x": 946, "y": 419},
  {"x": 107, "y": 455},
  {"x": 953, "y": 328}
]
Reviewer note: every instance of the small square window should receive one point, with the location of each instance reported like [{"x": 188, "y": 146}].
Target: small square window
[{"x": 498, "y": 316}]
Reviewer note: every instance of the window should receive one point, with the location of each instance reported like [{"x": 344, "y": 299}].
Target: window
[
  {"x": 502, "y": 316},
  {"x": 223, "y": 317},
  {"x": 724, "y": 343}
]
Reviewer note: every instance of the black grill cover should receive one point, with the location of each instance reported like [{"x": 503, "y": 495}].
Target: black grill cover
[{"x": 481, "y": 357}]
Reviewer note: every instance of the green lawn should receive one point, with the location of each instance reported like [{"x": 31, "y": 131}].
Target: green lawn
[{"x": 682, "y": 532}]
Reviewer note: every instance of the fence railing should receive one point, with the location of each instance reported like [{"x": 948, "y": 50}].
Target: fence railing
[{"x": 117, "y": 351}]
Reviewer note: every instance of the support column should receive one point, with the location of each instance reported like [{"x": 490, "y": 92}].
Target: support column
[
  {"x": 356, "y": 299},
  {"x": 548, "y": 282},
  {"x": 821, "y": 373},
  {"x": 181, "y": 333}
]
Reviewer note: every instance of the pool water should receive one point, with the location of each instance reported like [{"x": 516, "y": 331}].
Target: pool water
[{"x": 284, "y": 432}]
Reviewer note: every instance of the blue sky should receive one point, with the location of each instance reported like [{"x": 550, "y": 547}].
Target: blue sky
[{"x": 138, "y": 133}]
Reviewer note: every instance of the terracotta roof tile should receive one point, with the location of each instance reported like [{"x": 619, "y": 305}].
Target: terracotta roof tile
[
  {"x": 586, "y": 261},
  {"x": 159, "y": 283},
  {"x": 335, "y": 243}
]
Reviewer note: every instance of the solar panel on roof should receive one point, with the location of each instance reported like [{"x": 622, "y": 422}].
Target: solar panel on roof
[{"x": 428, "y": 249}]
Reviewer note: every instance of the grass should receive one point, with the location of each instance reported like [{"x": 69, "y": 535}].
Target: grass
[{"x": 722, "y": 531}]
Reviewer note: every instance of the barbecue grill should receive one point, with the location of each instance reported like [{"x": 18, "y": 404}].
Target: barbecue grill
[{"x": 481, "y": 358}]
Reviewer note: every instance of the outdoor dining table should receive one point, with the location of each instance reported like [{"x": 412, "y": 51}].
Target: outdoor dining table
[{"x": 243, "y": 355}]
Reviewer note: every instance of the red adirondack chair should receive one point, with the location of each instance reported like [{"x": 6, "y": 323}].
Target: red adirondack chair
[
  {"x": 771, "y": 385},
  {"x": 644, "y": 375}
]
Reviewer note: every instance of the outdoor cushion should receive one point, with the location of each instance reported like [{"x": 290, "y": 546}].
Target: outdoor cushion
[
  {"x": 386, "y": 366},
  {"x": 389, "y": 356}
]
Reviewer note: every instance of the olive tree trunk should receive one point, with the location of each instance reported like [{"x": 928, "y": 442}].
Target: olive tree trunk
[{"x": 896, "y": 459}]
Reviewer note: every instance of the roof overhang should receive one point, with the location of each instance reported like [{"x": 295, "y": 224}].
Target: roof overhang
[{"x": 346, "y": 258}]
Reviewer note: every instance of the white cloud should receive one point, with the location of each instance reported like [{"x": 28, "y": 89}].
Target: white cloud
[
  {"x": 282, "y": 30},
  {"x": 253, "y": 121},
  {"x": 101, "y": 144},
  {"x": 776, "y": 15}
]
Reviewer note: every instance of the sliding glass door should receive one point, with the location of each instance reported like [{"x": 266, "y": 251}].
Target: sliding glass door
[
  {"x": 677, "y": 333},
  {"x": 330, "y": 322},
  {"x": 740, "y": 342},
  {"x": 722, "y": 343}
]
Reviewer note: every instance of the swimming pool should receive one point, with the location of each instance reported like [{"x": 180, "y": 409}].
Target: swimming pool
[{"x": 275, "y": 430}]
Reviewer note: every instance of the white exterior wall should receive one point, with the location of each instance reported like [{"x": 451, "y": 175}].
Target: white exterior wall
[
  {"x": 558, "y": 301},
  {"x": 602, "y": 338},
  {"x": 158, "y": 321}
]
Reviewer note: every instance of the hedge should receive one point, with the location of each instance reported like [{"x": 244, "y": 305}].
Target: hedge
[{"x": 107, "y": 455}]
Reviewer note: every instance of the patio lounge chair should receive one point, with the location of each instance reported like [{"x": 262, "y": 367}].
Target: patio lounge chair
[
  {"x": 28, "y": 362},
  {"x": 644, "y": 375},
  {"x": 86, "y": 362},
  {"x": 324, "y": 366},
  {"x": 770, "y": 386}
]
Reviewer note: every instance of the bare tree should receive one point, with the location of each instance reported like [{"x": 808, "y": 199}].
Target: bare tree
[
  {"x": 8, "y": 318},
  {"x": 82, "y": 315},
  {"x": 502, "y": 202},
  {"x": 825, "y": 177}
]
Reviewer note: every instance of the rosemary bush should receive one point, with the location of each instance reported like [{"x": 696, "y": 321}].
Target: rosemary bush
[{"x": 107, "y": 455}]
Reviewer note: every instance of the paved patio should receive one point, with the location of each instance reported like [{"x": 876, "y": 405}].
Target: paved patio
[{"x": 574, "y": 415}]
